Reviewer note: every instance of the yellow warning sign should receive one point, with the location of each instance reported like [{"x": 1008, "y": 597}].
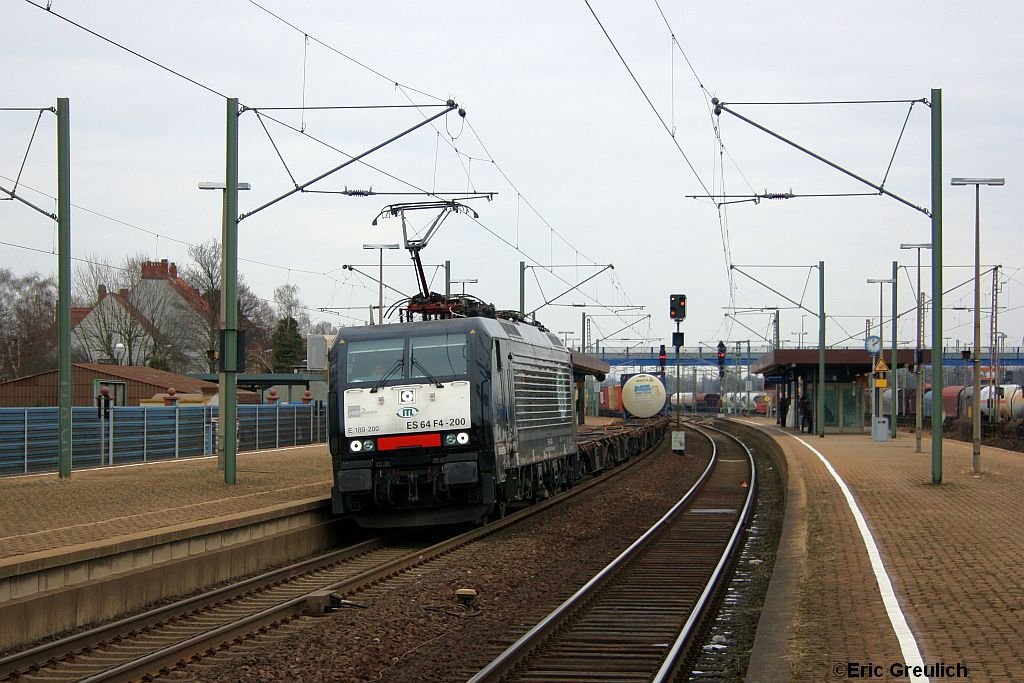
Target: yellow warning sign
[
  {"x": 880, "y": 366},
  {"x": 881, "y": 384}
]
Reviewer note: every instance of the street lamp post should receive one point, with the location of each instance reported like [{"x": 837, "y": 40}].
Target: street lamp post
[
  {"x": 380, "y": 295},
  {"x": 976, "y": 398},
  {"x": 227, "y": 381},
  {"x": 918, "y": 365},
  {"x": 464, "y": 282}
]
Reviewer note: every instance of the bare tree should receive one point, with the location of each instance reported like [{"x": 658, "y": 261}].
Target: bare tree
[
  {"x": 255, "y": 315},
  {"x": 203, "y": 275},
  {"x": 260, "y": 322},
  {"x": 139, "y": 320},
  {"x": 289, "y": 305},
  {"x": 323, "y": 327},
  {"x": 28, "y": 334},
  {"x": 113, "y": 320},
  {"x": 95, "y": 272}
]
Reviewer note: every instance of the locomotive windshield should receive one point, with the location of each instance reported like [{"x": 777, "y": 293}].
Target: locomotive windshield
[
  {"x": 428, "y": 358},
  {"x": 437, "y": 356},
  {"x": 370, "y": 361}
]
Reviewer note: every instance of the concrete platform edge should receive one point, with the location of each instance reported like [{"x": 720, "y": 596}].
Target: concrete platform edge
[{"x": 769, "y": 657}]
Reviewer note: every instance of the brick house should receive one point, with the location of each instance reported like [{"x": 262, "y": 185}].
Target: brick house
[{"x": 161, "y": 320}]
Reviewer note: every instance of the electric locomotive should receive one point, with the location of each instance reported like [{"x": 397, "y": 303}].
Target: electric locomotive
[{"x": 448, "y": 421}]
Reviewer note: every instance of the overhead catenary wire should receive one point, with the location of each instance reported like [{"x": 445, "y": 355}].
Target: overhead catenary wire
[
  {"x": 214, "y": 91},
  {"x": 647, "y": 98},
  {"x": 125, "y": 270},
  {"x": 127, "y": 49},
  {"x": 158, "y": 235},
  {"x": 333, "y": 49},
  {"x": 209, "y": 88},
  {"x": 719, "y": 172}
]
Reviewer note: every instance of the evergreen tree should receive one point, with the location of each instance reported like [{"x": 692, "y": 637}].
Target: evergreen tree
[{"x": 288, "y": 345}]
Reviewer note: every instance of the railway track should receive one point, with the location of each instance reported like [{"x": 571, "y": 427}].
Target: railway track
[
  {"x": 170, "y": 637},
  {"x": 639, "y": 617}
]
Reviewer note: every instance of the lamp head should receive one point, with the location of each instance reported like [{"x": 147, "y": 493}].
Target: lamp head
[{"x": 977, "y": 181}]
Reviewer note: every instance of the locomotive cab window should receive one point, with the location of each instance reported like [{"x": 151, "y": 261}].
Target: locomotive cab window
[
  {"x": 437, "y": 356},
  {"x": 369, "y": 361}
]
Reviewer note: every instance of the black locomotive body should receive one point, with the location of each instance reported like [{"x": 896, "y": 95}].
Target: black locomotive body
[{"x": 448, "y": 421}]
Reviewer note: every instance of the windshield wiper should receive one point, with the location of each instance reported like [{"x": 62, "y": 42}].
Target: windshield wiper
[
  {"x": 395, "y": 366},
  {"x": 427, "y": 373}
]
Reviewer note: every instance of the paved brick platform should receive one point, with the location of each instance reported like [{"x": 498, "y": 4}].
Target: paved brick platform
[
  {"x": 40, "y": 513},
  {"x": 953, "y": 553}
]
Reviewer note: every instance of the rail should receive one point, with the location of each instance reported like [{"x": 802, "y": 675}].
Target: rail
[
  {"x": 164, "y": 637},
  {"x": 649, "y": 563}
]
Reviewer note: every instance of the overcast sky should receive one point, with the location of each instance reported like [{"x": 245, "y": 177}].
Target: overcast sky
[{"x": 586, "y": 172}]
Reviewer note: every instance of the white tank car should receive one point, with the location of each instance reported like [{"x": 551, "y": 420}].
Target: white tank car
[
  {"x": 1013, "y": 395},
  {"x": 643, "y": 395},
  {"x": 1006, "y": 402}
]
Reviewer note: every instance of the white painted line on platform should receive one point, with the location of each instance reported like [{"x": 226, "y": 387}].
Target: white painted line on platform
[{"x": 908, "y": 644}]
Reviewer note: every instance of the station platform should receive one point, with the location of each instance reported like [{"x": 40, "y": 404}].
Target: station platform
[
  {"x": 951, "y": 554},
  {"x": 42, "y": 514},
  {"x": 948, "y": 562}
]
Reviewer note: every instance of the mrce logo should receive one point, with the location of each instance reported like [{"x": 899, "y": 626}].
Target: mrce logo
[{"x": 407, "y": 411}]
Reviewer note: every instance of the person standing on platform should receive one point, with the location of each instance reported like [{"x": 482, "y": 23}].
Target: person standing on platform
[
  {"x": 783, "y": 409},
  {"x": 805, "y": 414}
]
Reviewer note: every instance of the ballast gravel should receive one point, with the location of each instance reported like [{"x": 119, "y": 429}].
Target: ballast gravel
[{"x": 415, "y": 629}]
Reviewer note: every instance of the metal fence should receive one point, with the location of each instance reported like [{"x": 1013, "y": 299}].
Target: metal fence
[{"x": 29, "y": 438}]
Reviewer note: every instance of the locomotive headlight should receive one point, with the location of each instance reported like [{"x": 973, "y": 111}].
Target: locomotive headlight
[
  {"x": 449, "y": 439},
  {"x": 462, "y": 438},
  {"x": 355, "y": 446},
  {"x": 368, "y": 445}
]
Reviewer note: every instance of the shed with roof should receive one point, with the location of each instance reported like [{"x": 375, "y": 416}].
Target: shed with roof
[{"x": 129, "y": 385}]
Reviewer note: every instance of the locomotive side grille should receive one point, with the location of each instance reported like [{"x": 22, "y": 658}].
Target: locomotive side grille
[{"x": 543, "y": 391}]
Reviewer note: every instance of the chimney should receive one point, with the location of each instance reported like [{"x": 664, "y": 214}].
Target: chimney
[
  {"x": 101, "y": 293},
  {"x": 173, "y": 271},
  {"x": 153, "y": 270}
]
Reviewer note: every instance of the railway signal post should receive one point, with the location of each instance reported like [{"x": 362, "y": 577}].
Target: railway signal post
[{"x": 677, "y": 311}]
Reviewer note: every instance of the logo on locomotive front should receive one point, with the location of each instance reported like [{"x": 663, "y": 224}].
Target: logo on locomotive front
[{"x": 407, "y": 411}]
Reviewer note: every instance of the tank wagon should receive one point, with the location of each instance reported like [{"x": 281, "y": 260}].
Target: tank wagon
[
  {"x": 998, "y": 404},
  {"x": 448, "y": 421}
]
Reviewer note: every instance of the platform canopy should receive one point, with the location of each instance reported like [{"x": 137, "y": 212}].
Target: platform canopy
[
  {"x": 583, "y": 364},
  {"x": 840, "y": 364}
]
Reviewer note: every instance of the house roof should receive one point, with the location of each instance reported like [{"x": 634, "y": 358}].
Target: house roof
[
  {"x": 159, "y": 271},
  {"x": 139, "y": 373},
  {"x": 78, "y": 314},
  {"x": 190, "y": 295}
]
